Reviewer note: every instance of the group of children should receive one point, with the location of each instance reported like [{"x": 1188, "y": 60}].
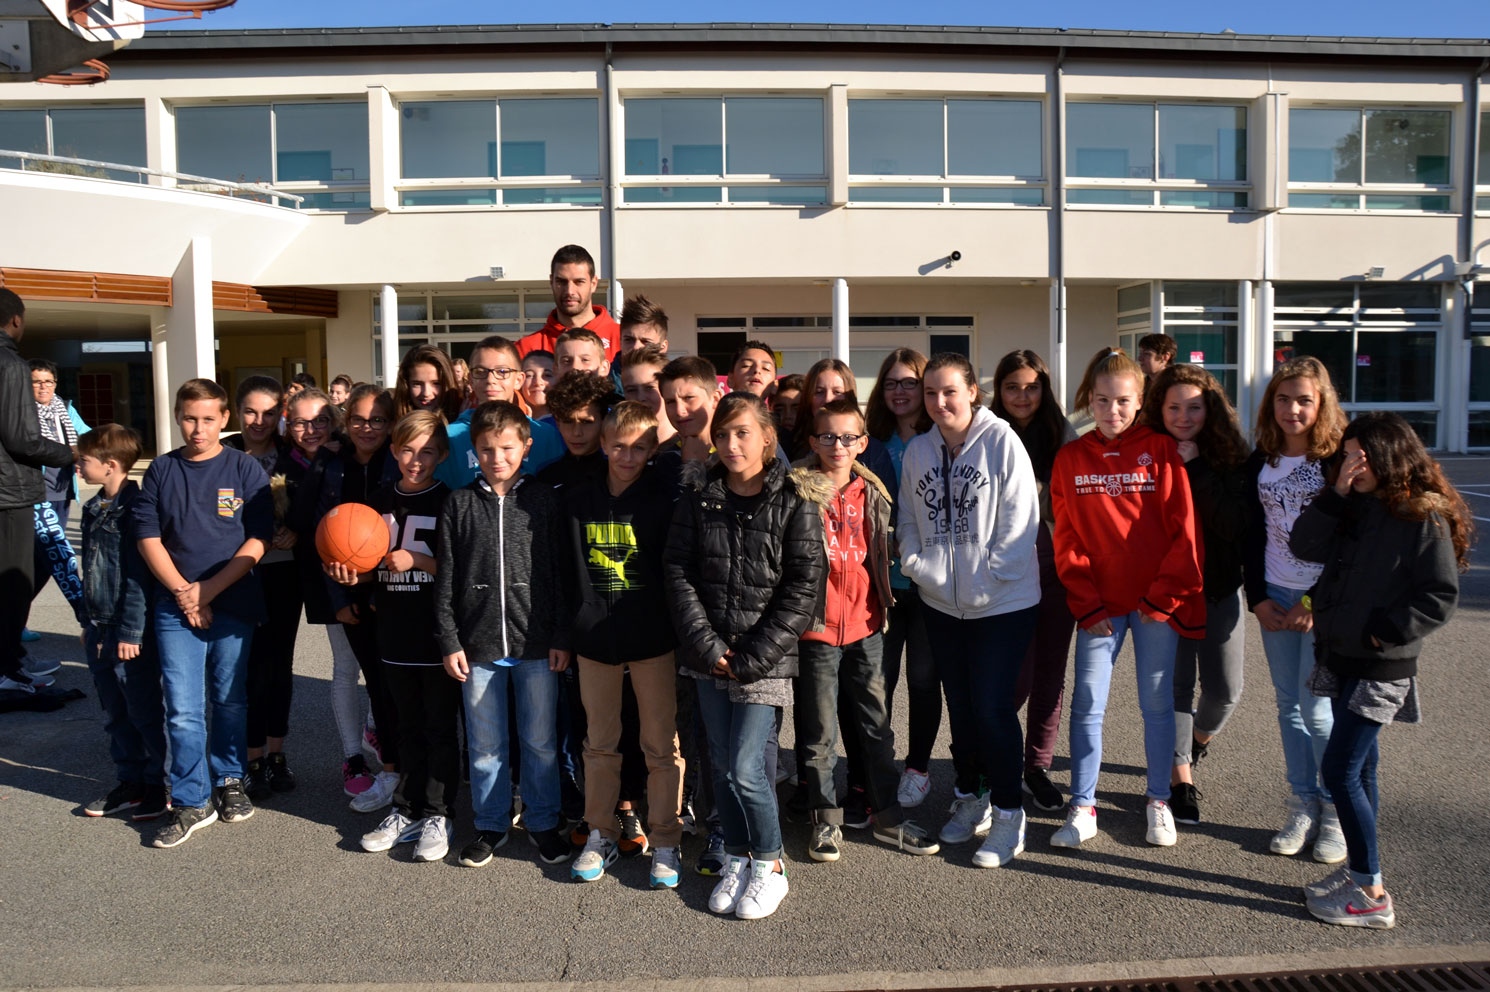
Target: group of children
[{"x": 618, "y": 598}]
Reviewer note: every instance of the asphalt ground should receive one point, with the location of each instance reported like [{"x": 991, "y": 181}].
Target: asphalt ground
[{"x": 289, "y": 899}]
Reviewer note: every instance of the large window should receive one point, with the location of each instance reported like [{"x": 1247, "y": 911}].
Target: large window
[
  {"x": 456, "y": 321},
  {"x": 1479, "y": 368},
  {"x": 486, "y": 153},
  {"x": 1353, "y": 159},
  {"x": 1148, "y": 154},
  {"x": 1378, "y": 340},
  {"x": 945, "y": 151},
  {"x": 100, "y": 134},
  {"x": 757, "y": 150},
  {"x": 318, "y": 151},
  {"x": 1202, "y": 317}
]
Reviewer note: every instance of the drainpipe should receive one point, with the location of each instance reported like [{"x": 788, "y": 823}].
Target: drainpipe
[
  {"x": 615, "y": 295},
  {"x": 1057, "y": 233},
  {"x": 1465, "y": 288}
]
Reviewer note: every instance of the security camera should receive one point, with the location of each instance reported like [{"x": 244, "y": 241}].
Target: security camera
[{"x": 956, "y": 256}]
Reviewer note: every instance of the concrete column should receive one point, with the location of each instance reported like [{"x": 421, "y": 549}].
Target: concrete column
[
  {"x": 160, "y": 140},
  {"x": 389, "y": 297},
  {"x": 382, "y": 132},
  {"x": 840, "y": 319},
  {"x": 615, "y": 297},
  {"x": 1246, "y": 331},
  {"x": 1263, "y": 345},
  {"x": 183, "y": 342},
  {"x": 837, "y": 163}
]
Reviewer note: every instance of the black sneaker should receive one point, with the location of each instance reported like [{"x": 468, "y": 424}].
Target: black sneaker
[
  {"x": 579, "y": 835},
  {"x": 155, "y": 803},
  {"x": 479, "y": 851},
  {"x": 856, "y": 812},
  {"x": 633, "y": 838},
  {"x": 1184, "y": 803},
  {"x": 281, "y": 779},
  {"x": 184, "y": 821},
  {"x": 233, "y": 805},
  {"x": 553, "y": 846},
  {"x": 124, "y": 796},
  {"x": 1198, "y": 750},
  {"x": 256, "y": 780},
  {"x": 686, "y": 814},
  {"x": 1042, "y": 791}
]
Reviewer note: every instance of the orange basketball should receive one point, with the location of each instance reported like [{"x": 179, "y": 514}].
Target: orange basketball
[{"x": 353, "y": 534}]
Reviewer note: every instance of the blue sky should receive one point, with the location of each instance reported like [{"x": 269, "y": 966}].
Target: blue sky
[{"x": 1368, "y": 18}]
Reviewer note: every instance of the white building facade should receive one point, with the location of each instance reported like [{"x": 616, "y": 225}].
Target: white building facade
[{"x": 825, "y": 189}]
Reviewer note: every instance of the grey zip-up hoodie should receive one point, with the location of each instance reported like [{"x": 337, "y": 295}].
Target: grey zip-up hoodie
[
  {"x": 498, "y": 591},
  {"x": 967, "y": 524}
]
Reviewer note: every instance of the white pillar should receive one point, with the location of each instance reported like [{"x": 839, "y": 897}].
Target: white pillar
[
  {"x": 183, "y": 343},
  {"x": 389, "y": 328},
  {"x": 1263, "y": 345},
  {"x": 840, "y": 319},
  {"x": 615, "y": 297},
  {"x": 1246, "y": 330}
]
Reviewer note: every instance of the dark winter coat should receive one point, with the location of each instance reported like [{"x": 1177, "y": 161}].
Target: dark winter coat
[
  {"x": 1384, "y": 577},
  {"x": 749, "y": 582},
  {"x": 116, "y": 584},
  {"x": 1222, "y": 508}
]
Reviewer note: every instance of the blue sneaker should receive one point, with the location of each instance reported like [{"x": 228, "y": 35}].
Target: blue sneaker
[
  {"x": 712, "y": 859},
  {"x": 599, "y": 854},
  {"x": 29, "y": 636},
  {"x": 666, "y": 864}
]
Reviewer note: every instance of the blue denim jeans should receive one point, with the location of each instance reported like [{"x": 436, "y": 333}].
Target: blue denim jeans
[
  {"x": 979, "y": 662},
  {"x": 1349, "y": 772},
  {"x": 1154, "y": 645},
  {"x": 134, "y": 712},
  {"x": 744, "y": 795},
  {"x": 198, "y": 667},
  {"x": 1304, "y": 719},
  {"x": 536, "y": 692}
]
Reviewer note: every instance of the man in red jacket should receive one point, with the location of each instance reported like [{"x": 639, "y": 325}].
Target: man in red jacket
[{"x": 571, "y": 276}]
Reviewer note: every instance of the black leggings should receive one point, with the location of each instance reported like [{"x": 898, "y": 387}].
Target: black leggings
[{"x": 271, "y": 656}]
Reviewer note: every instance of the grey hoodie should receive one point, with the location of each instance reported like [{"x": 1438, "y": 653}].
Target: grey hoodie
[{"x": 967, "y": 525}]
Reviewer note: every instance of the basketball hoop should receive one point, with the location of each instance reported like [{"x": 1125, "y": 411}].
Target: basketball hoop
[{"x": 117, "y": 21}]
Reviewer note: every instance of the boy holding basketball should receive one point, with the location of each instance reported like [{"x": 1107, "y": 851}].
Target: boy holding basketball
[
  {"x": 203, "y": 518},
  {"x": 427, "y": 701},
  {"x": 499, "y": 607}
]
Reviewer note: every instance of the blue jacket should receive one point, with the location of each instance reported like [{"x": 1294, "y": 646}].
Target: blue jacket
[
  {"x": 117, "y": 587},
  {"x": 459, "y": 469}
]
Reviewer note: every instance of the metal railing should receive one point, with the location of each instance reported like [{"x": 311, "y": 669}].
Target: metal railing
[{"x": 198, "y": 184}]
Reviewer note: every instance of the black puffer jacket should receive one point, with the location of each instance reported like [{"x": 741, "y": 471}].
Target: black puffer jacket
[
  {"x": 1384, "y": 577},
  {"x": 1224, "y": 513},
  {"x": 23, "y": 451},
  {"x": 751, "y": 582}
]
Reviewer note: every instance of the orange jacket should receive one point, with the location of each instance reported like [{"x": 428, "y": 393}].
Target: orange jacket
[
  {"x": 544, "y": 338},
  {"x": 1125, "y": 530}
]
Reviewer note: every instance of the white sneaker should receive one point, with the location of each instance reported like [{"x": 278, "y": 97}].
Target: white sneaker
[
  {"x": 1323, "y": 888},
  {"x": 731, "y": 886},
  {"x": 971, "y": 815},
  {"x": 1005, "y": 840},
  {"x": 1080, "y": 827},
  {"x": 599, "y": 854},
  {"x": 1329, "y": 846},
  {"x": 378, "y": 795},
  {"x": 434, "y": 839},
  {"x": 764, "y": 893},
  {"x": 1161, "y": 824},
  {"x": 667, "y": 865},
  {"x": 914, "y": 788},
  {"x": 1301, "y": 827},
  {"x": 395, "y": 829}
]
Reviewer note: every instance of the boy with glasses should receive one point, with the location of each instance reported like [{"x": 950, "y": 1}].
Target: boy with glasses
[{"x": 496, "y": 376}]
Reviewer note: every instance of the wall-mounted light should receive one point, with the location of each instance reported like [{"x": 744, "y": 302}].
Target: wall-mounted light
[
  {"x": 1376, "y": 272},
  {"x": 497, "y": 272}
]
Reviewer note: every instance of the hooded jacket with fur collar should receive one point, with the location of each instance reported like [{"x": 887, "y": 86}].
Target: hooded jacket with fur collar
[{"x": 877, "y": 524}]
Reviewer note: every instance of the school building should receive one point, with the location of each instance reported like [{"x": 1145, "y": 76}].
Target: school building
[{"x": 235, "y": 202}]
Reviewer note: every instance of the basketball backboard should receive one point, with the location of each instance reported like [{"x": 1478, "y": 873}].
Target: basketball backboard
[{"x": 101, "y": 20}]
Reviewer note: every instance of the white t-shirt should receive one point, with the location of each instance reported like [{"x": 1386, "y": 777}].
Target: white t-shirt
[{"x": 1285, "y": 489}]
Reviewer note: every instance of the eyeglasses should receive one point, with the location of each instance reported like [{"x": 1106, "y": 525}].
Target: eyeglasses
[
  {"x": 43, "y": 382},
  {"x": 481, "y": 372},
  {"x": 321, "y": 422},
  {"x": 903, "y": 385},
  {"x": 363, "y": 423},
  {"x": 831, "y": 440}
]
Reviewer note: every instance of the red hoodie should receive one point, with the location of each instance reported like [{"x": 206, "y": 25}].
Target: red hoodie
[
  {"x": 543, "y": 340},
  {"x": 851, "y": 606},
  {"x": 1125, "y": 532}
]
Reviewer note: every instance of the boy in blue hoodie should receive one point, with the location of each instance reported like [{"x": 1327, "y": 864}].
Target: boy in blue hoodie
[{"x": 120, "y": 651}]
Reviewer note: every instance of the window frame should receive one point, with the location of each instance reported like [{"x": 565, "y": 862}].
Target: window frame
[
  {"x": 1479, "y": 327},
  {"x": 1482, "y": 169},
  {"x": 947, "y": 181},
  {"x": 726, "y": 180},
  {"x": 47, "y": 109},
  {"x": 1363, "y": 190},
  {"x": 302, "y": 188},
  {"x": 1160, "y": 316},
  {"x": 1157, "y": 186},
  {"x": 498, "y": 185}
]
